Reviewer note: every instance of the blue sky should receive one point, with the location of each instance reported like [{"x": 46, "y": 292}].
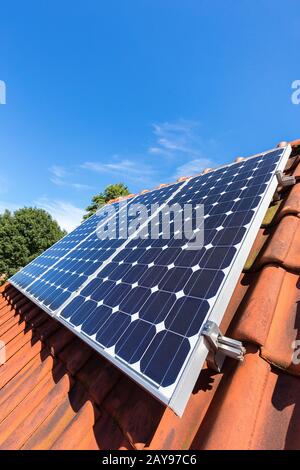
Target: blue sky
[{"x": 139, "y": 91}]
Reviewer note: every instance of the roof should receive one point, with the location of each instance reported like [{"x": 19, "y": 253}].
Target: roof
[{"x": 57, "y": 393}]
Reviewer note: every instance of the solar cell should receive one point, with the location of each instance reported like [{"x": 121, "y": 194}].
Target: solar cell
[{"x": 142, "y": 302}]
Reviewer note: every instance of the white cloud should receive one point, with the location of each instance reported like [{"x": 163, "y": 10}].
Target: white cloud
[
  {"x": 193, "y": 167},
  {"x": 63, "y": 183},
  {"x": 58, "y": 171},
  {"x": 181, "y": 141},
  {"x": 133, "y": 169},
  {"x": 59, "y": 177},
  {"x": 174, "y": 138},
  {"x": 65, "y": 213}
]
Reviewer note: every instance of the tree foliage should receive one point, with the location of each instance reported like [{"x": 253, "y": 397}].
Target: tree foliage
[
  {"x": 24, "y": 235},
  {"x": 111, "y": 192}
]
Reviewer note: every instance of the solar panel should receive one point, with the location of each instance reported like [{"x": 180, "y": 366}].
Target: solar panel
[
  {"x": 142, "y": 302},
  {"x": 55, "y": 275},
  {"x": 24, "y": 278}
]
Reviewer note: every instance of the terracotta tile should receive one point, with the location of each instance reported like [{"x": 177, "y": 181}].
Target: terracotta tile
[
  {"x": 183, "y": 178},
  {"x": 292, "y": 202},
  {"x": 13, "y": 297},
  {"x": 295, "y": 143},
  {"x": 13, "y": 327},
  {"x": 29, "y": 404},
  {"x": 18, "y": 342},
  {"x": 99, "y": 377},
  {"x": 2, "y": 300},
  {"x": 13, "y": 384},
  {"x": 285, "y": 327},
  {"x": 17, "y": 315},
  {"x": 253, "y": 320},
  {"x": 78, "y": 431},
  {"x": 34, "y": 316},
  {"x": 48, "y": 432},
  {"x": 136, "y": 412},
  {"x": 278, "y": 422},
  {"x": 258, "y": 409},
  {"x": 17, "y": 323},
  {"x": 51, "y": 428},
  {"x": 5, "y": 287},
  {"x": 284, "y": 245},
  {"x": 90, "y": 430},
  {"x": 36, "y": 320},
  {"x": 22, "y": 304},
  {"x": 255, "y": 408},
  {"x": 59, "y": 340},
  {"x": 234, "y": 411},
  {"x": 12, "y": 304},
  {"x": 46, "y": 329},
  {"x": 16, "y": 391},
  {"x": 18, "y": 361},
  {"x": 3, "y": 304},
  {"x": 108, "y": 435},
  {"x": 5, "y": 307},
  {"x": 173, "y": 433},
  {"x": 38, "y": 413},
  {"x": 7, "y": 316},
  {"x": 296, "y": 172},
  {"x": 75, "y": 355}
]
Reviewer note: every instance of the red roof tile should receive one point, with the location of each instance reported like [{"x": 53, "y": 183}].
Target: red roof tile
[
  {"x": 57, "y": 393},
  {"x": 256, "y": 407}
]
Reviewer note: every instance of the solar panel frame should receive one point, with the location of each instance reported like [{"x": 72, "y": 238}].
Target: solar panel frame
[{"x": 176, "y": 397}]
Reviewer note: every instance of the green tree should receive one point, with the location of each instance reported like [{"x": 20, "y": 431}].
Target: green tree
[
  {"x": 111, "y": 192},
  {"x": 24, "y": 235}
]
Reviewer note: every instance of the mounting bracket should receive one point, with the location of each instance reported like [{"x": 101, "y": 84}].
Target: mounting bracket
[
  {"x": 284, "y": 180},
  {"x": 221, "y": 346}
]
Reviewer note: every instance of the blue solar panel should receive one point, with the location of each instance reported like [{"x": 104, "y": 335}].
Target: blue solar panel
[
  {"x": 143, "y": 302},
  {"x": 50, "y": 257},
  {"x": 54, "y": 276}
]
